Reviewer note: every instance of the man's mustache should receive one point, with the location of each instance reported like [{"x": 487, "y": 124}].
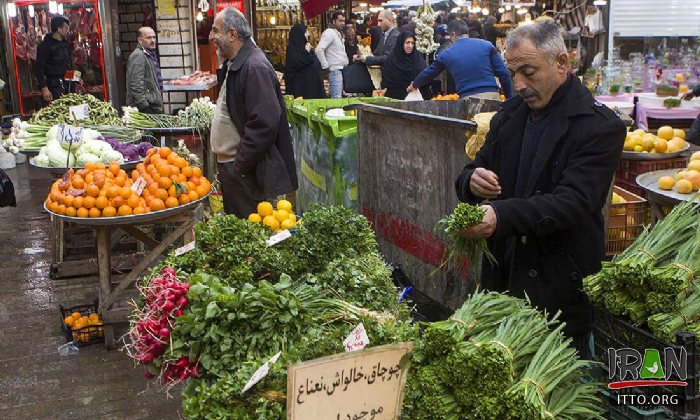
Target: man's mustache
[{"x": 527, "y": 92}]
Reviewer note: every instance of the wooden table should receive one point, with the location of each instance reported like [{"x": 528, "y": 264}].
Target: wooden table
[{"x": 184, "y": 216}]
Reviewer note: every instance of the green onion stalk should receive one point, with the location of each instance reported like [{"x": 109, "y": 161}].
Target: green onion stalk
[
  {"x": 553, "y": 363},
  {"x": 135, "y": 118},
  {"x": 575, "y": 400},
  {"x": 666, "y": 325},
  {"x": 122, "y": 134},
  {"x": 458, "y": 248},
  {"x": 678, "y": 276}
]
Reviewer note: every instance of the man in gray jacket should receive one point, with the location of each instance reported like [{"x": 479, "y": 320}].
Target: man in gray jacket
[
  {"x": 144, "y": 82},
  {"x": 387, "y": 23}
]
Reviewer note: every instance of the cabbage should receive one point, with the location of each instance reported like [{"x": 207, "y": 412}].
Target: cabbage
[
  {"x": 143, "y": 148},
  {"x": 42, "y": 160},
  {"x": 96, "y": 147},
  {"x": 111, "y": 155},
  {"x": 59, "y": 156},
  {"x": 85, "y": 158},
  {"x": 52, "y": 134}
]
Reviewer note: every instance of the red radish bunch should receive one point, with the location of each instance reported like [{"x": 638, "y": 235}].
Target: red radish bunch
[{"x": 165, "y": 299}]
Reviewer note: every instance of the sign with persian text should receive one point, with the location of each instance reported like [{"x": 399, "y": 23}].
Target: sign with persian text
[{"x": 360, "y": 385}]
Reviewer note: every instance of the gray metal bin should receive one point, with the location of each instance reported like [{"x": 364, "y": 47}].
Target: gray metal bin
[{"x": 409, "y": 156}]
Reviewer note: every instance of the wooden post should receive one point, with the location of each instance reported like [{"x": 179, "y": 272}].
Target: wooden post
[{"x": 103, "y": 238}]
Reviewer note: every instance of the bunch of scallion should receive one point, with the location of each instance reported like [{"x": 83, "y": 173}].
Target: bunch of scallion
[
  {"x": 460, "y": 248},
  {"x": 497, "y": 357},
  {"x": 653, "y": 271},
  {"x": 135, "y": 118}
]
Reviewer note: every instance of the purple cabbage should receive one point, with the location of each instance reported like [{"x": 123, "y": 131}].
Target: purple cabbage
[
  {"x": 143, "y": 148},
  {"x": 112, "y": 142}
]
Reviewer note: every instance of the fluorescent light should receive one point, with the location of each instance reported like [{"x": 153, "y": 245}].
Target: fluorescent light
[
  {"x": 53, "y": 7},
  {"x": 501, "y": 10},
  {"x": 600, "y": 2},
  {"x": 60, "y": 9},
  {"x": 11, "y": 10},
  {"x": 521, "y": 11}
]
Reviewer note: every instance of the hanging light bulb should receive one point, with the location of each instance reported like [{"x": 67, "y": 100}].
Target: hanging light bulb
[
  {"x": 501, "y": 10},
  {"x": 273, "y": 20},
  {"x": 509, "y": 7},
  {"x": 11, "y": 10},
  {"x": 60, "y": 9},
  {"x": 30, "y": 9},
  {"x": 200, "y": 16},
  {"x": 521, "y": 11},
  {"x": 485, "y": 11},
  {"x": 53, "y": 7}
]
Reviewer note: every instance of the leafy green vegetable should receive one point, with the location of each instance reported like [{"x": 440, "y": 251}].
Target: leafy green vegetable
[{"x": 464, "y": 216}]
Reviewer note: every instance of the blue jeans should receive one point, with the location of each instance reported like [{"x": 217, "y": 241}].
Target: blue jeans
[{"x": 335, "y": 79}]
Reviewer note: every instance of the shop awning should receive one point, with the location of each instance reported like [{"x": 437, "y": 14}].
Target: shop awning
[{"x": 313, "y": 8}]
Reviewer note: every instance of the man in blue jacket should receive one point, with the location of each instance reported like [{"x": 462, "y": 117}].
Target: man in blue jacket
[{"x": 474, "y": 64}]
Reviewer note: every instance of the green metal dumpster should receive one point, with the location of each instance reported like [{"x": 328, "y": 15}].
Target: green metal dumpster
[{"x": 326, "y": 151}]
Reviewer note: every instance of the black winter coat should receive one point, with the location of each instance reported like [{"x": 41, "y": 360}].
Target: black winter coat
[
  {"x": 547, "y": 242},
  {"x": 256, "y": 107}
]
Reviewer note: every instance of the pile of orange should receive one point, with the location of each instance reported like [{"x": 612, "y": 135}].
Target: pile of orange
[
  {"x": 450, "y": 97},
  {"x": 78, "y": 323},
  {"x": 100, "y": 191}
]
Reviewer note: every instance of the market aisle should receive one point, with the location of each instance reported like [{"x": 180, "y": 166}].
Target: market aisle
[{"x": 35, "y": 382}]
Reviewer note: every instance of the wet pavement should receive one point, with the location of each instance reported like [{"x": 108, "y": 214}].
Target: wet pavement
[{"x": 35, "y": 381}]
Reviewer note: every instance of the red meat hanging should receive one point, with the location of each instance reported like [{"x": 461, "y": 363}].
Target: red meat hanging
[
  {"x": 21, "y": 39},
  {"x": 31, "y": 39}
]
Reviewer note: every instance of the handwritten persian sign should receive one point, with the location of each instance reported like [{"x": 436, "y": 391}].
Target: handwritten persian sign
[{"x": 360, "y": 385}]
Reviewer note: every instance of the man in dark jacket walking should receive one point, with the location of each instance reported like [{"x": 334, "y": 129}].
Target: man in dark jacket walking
[
  {"x": 53, "y": 60},
  {"x": 250, "y": 133},
  {"x": 543, "y": 177}
]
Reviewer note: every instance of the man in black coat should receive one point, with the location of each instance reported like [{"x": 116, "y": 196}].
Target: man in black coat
[
  {"x": 249, "y": 133},
  {"x": 53, "y": 60},
  {"x": 543, "y": 177}
]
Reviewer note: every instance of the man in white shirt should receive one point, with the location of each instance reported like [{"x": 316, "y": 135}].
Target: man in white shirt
[{"x": 331, "y": 53}]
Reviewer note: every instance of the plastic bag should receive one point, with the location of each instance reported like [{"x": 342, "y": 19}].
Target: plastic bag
[
  {"x": 7, "y": 191},
  {"x": 68, "y": 349}
]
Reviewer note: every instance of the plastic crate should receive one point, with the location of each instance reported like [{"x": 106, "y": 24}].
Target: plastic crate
[
  {"x": 610, "y": 332},
  {"x": 628, "y": 170},
  {"x": 626, "y": 221},
  {"x": 627, "y": 412},
  {"x": 90, "y": 334}
]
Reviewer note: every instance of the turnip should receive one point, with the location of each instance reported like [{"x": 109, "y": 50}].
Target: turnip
[
  {"x": 164, "y": 333},
  {"x": 177, "y": 313},
  {"x": 182, "y": 302}
]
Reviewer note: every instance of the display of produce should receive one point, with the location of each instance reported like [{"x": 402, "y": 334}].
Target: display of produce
[
  {"x": 28, "y": 136},
  {"x": 58, "y": 112},
  {"x": 667, "y": 140},
  {"x": 654, "y": 275},
  {"x": 199, "y": 115},
  {"x": 107, "y": 191},
  {"x": 282, "y": 218},
  {"x": 213, "y": 315},
  {"x": 448, "y": 97},
  {"x": 425, "y": 21},
  {"x": 685, "y": 181},
  {"x": 497, "y": 357}
]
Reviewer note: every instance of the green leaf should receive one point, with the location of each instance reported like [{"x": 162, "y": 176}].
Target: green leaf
[{"x": 212, "y": 310}]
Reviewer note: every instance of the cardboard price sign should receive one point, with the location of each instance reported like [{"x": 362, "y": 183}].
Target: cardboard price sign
[
  {"x": 364, "y": 384},
  {"x": 79, "y": 112},
  {"x": 69, "y": 133}
]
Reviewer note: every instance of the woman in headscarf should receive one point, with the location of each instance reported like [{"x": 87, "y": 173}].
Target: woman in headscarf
[
  {"x": 303, "y": 76},
  {"x": 375, "y": 33},
  {"x": 403, "y": 65}
]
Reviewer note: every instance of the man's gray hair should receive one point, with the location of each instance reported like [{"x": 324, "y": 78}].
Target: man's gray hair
[
  {"x": 233, "y": 18},
  {"x": 389, "y": 15},
  {"x": 545, "y": 36}
]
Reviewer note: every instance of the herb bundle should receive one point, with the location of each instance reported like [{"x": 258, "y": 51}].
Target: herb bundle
[{"x": 459, "y": 248}]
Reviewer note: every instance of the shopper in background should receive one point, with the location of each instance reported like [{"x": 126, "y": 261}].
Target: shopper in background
[
  {"x": 387, "y": 23},
  {"x": 693, "y": 135},
  {"x": 351, "y": 47},
  {"x": 249, "y": 133},
  {"x": 144, "y": 82},
  {"x": 543, "y": 177},
  {"x": 474, "y": 64},
  {"x": 475, "y": 29},
  {"x": 53, "y": 60},
  {"x": 303, "y": 76},
  {"x": 404, "y": 64},
  {"x": 491, "y": 33},
  {"x": 331, "y": 53},
  {"x": 375, "y": 33}
]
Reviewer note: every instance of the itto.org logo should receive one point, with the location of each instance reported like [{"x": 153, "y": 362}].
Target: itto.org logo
[{"x": 635, "y": 370}]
